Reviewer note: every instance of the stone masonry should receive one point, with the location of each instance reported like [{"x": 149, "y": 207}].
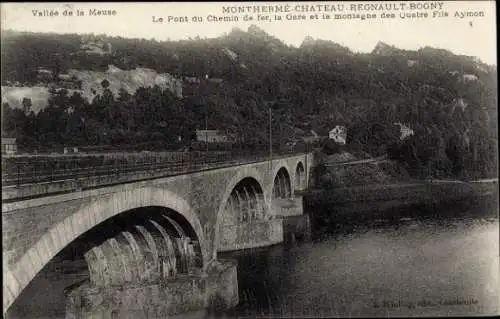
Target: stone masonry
[{"x": 35, "y": 230}]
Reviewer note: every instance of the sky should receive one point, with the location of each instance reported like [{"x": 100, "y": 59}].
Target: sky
[{"x": 475, "y": 36}]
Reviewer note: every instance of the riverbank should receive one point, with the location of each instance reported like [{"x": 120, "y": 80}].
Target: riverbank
[
  {"x": 331, "y": 208},
  {"x": 409, "y": 267}
]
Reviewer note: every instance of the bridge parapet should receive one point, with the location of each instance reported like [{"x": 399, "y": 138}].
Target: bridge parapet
[{"x": 19, "y": 185}]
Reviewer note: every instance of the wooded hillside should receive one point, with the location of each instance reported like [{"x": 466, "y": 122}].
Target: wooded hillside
[{"x": 448, "y": 100}]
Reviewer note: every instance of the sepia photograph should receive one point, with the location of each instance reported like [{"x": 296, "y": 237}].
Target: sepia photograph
[{"x": 329, "y": 159}]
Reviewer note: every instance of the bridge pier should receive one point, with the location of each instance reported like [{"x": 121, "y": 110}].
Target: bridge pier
[
  {"x": 216, "y": 289},
  {"x": 247, "y": 220},
  {"x": 258, "y": 233},
  {"x": 296, "y": 224},
  {"x": 151, "y": 269},
  {"x": 255, "y": 218},
  {"x": 287, "y": 204}
]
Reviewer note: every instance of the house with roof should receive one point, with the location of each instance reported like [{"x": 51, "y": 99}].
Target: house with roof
[
  {"x": 44, "y": 74},
  {"x": 213, "y": 136},
  {"x": 215, "y": 80},
  {"x": 338, "y": 134},
  {"x": 405, "y": 131},
  {"x": 9, "y": 145},
  {"x": 469, "y": 77},
  {"x": 191, "y": 79},
  {"x": 411, "y": 63}
]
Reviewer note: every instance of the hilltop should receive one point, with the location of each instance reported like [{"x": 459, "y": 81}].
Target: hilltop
[{"x": 448, "y": 100}]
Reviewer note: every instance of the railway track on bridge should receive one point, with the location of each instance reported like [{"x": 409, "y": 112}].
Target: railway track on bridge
[{"x": 118, "y": 172}]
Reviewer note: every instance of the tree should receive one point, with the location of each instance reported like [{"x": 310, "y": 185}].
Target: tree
[
  {"x": 322, "y": 80},
  {"x": 27, "y": 105},
  {"x": 9, "y": 125},
  {"x": 331, "y": 147},
  {"x": 105, "y": 84}
]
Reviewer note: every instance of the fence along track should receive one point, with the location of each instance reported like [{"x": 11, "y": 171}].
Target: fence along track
[{"x": 14, "y": 174}]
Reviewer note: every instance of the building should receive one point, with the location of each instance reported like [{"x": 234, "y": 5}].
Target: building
[
  {"x": 338, "y": 134},
  {"x": 213, "y": 136},
  {"x": 70, "y": 150},
  {"x": 191, "y": 79},
  {"x": 44, "y": 74},
  {"x": 469, "y": 77},
  {"x": 460, "y": 103},
  {"x": 405, "y": 131},
  {"x": 215, "y": 80},
  {"x": 9, "y": 145},
  {"x": 411, "y": 63}
]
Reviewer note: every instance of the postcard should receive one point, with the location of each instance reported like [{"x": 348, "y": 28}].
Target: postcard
[{"x": 249, "y": 159}]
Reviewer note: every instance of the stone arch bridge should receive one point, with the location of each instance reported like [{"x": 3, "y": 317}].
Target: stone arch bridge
[{"x": 147, "y": 230}]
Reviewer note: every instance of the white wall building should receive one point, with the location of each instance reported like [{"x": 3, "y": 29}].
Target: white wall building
[
  {"x": 469, "y": 77},
  {"x": 411, "y": 63},
  {"x": 213, "y": 136},
  {"x": 405, "y": 131},
  {"x": 338, "y": 134},
  {"x": 9, "y": 145}
]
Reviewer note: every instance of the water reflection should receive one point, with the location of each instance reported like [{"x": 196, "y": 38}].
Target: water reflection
[
  {"x": 405, "y": 267},
  {"x": 398, "y": 267}
]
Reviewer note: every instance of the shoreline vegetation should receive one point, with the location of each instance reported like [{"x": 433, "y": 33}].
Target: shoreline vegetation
[{"x": 342, "y": 194}]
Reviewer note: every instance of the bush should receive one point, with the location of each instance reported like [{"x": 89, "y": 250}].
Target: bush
[{"x": 331, "y": 147}]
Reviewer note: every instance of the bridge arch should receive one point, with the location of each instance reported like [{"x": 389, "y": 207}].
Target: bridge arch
[
  {"x": 245, "y": 192},
  {"x": 140, "y": 245},
  {"x": 88, "y": 217},
  {"x": 300, "y": 176},
  {"x": 249, "y": 196},
  {"x": 282, "y": 185}
]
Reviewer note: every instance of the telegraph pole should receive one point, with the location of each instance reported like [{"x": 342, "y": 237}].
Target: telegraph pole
[
  {"x": 270, "y": 138},
  {"x": 206, "y": 129},
  {"x": 206, "y": 113}
]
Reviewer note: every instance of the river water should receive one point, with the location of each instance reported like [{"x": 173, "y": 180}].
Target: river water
[
  {"x": 407, "y": 267},
  {"x": 402, "y": 267}
]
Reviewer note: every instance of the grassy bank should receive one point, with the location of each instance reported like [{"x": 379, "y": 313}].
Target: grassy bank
[{"x": 349, "y": 170}]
